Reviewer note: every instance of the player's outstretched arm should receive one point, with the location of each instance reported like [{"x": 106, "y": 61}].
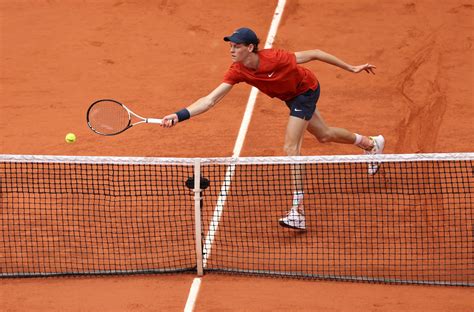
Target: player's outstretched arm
[
  {"x": 318, "y": 55},
  {"x": 200, "y": 106}
]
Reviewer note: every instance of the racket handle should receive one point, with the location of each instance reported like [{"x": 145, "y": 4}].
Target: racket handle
[{"x": 154, "y": 121}]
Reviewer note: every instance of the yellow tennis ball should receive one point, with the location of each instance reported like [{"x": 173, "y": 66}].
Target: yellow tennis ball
[{"x": 70, "y": 138}]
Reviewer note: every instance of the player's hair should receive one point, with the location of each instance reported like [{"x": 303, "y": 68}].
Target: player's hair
[{"x": 255, "y": 46}]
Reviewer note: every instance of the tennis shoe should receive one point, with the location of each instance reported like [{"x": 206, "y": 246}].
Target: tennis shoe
[
  {"x": 379, "y": 144},
  {"x": 294, "y": 220}
]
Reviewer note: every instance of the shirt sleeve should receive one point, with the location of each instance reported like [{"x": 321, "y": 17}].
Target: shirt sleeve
[
  {"x": 286, "y": 57},
  {"x": 232, "y": 76}
]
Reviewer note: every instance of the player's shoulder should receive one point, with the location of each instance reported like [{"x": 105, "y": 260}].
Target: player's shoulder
[
  {"x": 274, "y": 53},
  {"x": 234, "y": 70}
]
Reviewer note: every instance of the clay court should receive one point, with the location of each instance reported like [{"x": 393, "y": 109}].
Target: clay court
[{"x": 57, "y": 57}]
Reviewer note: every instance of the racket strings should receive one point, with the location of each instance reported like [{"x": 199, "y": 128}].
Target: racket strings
[{"x": 108, "y": 117}]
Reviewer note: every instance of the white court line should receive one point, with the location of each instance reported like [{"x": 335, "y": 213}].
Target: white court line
[
  {"x": 239, "y": 142},
  {"x": 193, "y": 293},
  {"x": 230, "y": 170}
]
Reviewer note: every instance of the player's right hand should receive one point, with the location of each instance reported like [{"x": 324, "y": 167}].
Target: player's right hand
[{"x": 169, "y": 121}]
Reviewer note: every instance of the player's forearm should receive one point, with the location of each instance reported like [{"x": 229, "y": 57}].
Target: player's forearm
[
  {"x": 331, "y": 59},
  {"x": 207, "y": 102},
  {"x": 201, "y": 106}
]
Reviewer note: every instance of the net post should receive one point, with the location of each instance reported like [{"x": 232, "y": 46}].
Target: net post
[{"x": 197, "y": 215}]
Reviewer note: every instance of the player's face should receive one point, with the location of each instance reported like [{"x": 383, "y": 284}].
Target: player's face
[{"x": 239, "y": 51}]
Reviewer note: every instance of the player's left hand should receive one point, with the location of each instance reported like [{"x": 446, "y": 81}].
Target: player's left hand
[{"x": 369, "y": 68}]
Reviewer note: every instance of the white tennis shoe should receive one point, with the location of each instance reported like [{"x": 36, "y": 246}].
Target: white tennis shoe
[
  {"x": 294, "y": 220},
  {"x": 379, "y": 144}
]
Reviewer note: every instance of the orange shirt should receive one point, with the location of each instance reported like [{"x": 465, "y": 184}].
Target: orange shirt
[{"x": 277, "y": 75}]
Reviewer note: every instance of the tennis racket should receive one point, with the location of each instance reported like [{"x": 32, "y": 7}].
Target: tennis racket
[{"x": 110, "y": 117}]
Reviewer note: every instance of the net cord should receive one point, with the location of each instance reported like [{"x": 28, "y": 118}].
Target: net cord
[{"x": 236, "y": 160}]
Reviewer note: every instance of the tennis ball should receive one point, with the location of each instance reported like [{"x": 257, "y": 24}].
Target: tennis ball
[{"x": 70, "y": 138}]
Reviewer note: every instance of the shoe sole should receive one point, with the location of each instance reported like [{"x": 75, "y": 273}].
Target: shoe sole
[{"x": 283, "y": 224}]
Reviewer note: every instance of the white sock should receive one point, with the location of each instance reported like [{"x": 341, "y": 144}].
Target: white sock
[
  {"x": 358, "y": 139},
  {"x": 298, "y": 198},
  {"x": 363, "y": 142}
]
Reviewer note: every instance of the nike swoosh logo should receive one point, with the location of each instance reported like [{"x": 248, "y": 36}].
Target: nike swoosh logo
[
  {"x": 298, "y": 110},
  {"x": 271, "y": 74}
]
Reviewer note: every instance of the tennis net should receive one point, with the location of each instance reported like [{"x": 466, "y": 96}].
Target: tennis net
[{"x": 412, "y": 222}]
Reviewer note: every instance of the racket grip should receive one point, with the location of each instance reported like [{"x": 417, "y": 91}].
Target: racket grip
[{"x": 154, "y": 121}]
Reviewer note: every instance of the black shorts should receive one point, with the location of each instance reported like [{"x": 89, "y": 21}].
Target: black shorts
[{"x": 304, "y": 105}]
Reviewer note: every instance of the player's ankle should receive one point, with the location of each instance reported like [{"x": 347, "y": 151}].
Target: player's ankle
[{"x": 364, "y": 142}]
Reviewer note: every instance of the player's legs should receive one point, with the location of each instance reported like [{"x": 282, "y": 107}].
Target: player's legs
[
  {"x": 301, "y": 111},
  {"x": 302, "y": 108},
  {"x": 295, "y": 130},
  {"x": 324, "y": 134},
  {"x": 293, "y": 140}
]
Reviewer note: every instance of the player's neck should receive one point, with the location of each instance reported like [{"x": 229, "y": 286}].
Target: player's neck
[{"x": 251, "y": 61}]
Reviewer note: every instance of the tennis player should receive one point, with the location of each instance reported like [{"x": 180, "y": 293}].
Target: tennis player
[{"x": 277, "y": 73}]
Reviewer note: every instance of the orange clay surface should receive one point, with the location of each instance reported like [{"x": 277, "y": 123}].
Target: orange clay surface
[{"x": 56, "y": 57}]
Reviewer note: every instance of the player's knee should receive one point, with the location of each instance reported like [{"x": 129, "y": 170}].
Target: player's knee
[{"x": 324, "y": 137}]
